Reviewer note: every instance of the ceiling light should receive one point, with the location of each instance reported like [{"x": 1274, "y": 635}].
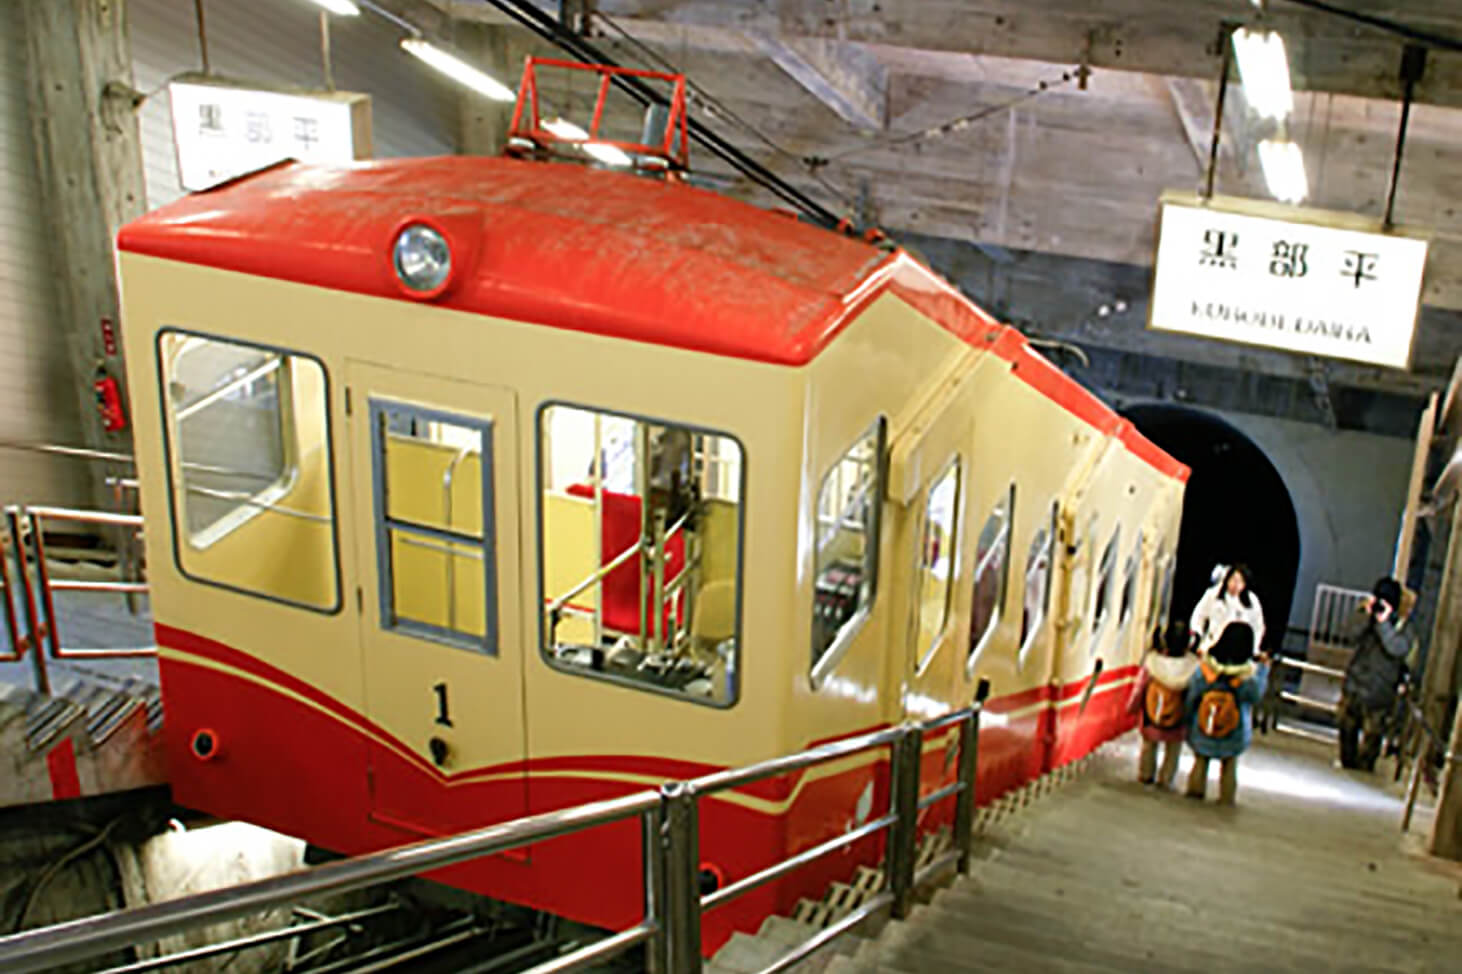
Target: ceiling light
[
  {"x": 1284, "y": 170},
  {"x": 342, "y": 7},
  {"x": 1264, "y": 68},
  {"x": 457, "y": 69}
]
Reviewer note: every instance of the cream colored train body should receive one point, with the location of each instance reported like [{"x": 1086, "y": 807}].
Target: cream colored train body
[{"x": 406, "y": 543}]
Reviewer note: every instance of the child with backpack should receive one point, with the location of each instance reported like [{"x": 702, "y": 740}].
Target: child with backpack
[
  {"x": 1220, "y": 704},
  {"x": 1159, "y": 697}
]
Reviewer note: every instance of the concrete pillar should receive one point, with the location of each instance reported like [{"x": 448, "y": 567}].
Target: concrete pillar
[
  {"x": 482, "y": 123},
  {"x": 83, "y": 111}
]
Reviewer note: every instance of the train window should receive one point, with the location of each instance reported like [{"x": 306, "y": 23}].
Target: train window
[
  {"x": 636, "y": 514},
  {"x": 1129, "y": 586},
  {"x": 992, "y": 569},
  {"x": 936, "y": 562},
  {"x": 846, "y": 549},
  {"x": 434, "y": 525},
  {"x": 1102, "y": 600},
  {"x": 251, "y": 478},
  {"x": 1038, "y": 566}
]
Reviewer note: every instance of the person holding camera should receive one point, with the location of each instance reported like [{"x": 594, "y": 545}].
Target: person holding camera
[{"x": 1372, "y": 679}]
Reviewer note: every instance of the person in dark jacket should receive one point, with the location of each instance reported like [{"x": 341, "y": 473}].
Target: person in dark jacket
[{"x": 1377, "y": 669}]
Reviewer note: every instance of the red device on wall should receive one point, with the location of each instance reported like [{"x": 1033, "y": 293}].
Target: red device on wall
[{"x": 109, "y": 401}]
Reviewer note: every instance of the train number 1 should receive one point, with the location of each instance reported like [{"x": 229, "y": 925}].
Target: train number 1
[{"x": 443, "y": 717}]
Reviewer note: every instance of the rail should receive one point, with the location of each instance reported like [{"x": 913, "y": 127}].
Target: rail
[
  {"x": 1435, "y": 747},
  {"x": 670, "y": 863},
  {"x": 27, "y": 580}
]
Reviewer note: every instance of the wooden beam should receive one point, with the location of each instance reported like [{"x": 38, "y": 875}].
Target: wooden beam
[
  {"x": 1150, "y": 36},
  {"x": 83, "y": 110},
  {"x": 845, "y": 77}
]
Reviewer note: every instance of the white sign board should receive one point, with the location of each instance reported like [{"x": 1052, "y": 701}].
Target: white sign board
[
  {"x": 222, "y": 131},
  {"x": 1331, "y": 289}
]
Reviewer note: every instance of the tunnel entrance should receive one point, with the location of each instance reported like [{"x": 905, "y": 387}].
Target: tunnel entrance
[{"x": 1236, "y": 509}]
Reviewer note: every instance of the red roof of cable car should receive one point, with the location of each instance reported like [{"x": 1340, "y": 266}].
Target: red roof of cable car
[{"x": 595, "y": 251}]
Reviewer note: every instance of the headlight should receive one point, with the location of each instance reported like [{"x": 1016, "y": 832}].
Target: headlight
[{"x": 422, "y": 258}]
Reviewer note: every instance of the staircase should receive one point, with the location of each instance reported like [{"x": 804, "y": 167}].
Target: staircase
[
  {"x": 1307, "y": 874},
  {"x": 91, "y": 735}
]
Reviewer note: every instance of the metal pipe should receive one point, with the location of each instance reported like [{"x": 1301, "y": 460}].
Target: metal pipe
[
  {"x": 598, "y": 467},
  {"x": 244, "y": 943},
  {"x": 1413, "y": 788},
  {"x": 56, "y": 449},
  {"x": 1225, "y": 37},
  {"x": 964, "y": 806},
  {"x": 1413, "y": 65},
  {"x": 43, "y": 582},
  {"x": 748, "y": 883},
  {"x": 248, "y": 500},
  {"x": 325, "y": 50},
  {"x": 80, "y": 585},
  {"x": 594, "y": 576},
  {"x": 736, "y": 777},
  {"x": 85, "y": 516},
  {"x": 903, "y": 800},
  {"x": 598, "y": 951},
  {"x": 1300, "y": 664},
  {"x": 77, "y": 940},
  {"x": 407, "y": 539},
  {"x": 682, "y": 877},
  {"x": 12, "y": 628},
  {"x": 935, "y": 797},
  {"x": 652, "y": 860},
  {"x": 449, "y": 476},
  {"x": 828, "y": 934},
  {"x": 35, "y": 632},
  {"x": 943, "y": 862},
  {"x": 1295, "y": 698},
  {"x": 209, "y": 398}
]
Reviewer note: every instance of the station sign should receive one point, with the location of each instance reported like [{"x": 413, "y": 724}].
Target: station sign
[
  {"x": 1301, "y": 280},
  {"x": 223, "y": 131}
]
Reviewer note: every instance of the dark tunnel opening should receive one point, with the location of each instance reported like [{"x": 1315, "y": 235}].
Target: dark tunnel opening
[{"x": 1236, "y": 509}]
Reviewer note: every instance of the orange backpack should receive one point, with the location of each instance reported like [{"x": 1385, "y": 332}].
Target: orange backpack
[
  {"x": 1163, "y": 706},
  {"x": 1218, "y": 708}
]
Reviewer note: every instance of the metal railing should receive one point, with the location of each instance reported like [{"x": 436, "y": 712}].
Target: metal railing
[
  {"x": 1429, "y": 748},
  {"x": 670, "y": 861},
  {"x": 27, "y": 580},
  {"x": 1334, "y": 607}
]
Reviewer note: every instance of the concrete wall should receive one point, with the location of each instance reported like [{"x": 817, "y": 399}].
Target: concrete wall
[{"x": 1348, "y": 490}]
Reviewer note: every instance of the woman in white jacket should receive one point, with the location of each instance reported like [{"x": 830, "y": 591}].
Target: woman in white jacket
[{"x": 1229, "y": 601}]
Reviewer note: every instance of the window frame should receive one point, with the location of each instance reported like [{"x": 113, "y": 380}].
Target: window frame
[
  {"x": 377, "y": 408},
  {"x": 922, "y": 660},
  {"x": 1051, "y": 528},
  {"x": 822, "y": 667},
  {"x": 977, "y": 650},
  {"x": 540, "y": 478},
  {"x": 245, "y": 511},
  {"x": 177, "y": 523}
]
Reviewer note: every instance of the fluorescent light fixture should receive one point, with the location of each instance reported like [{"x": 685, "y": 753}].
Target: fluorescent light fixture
[
  {"x": 608, "y": 154},
  {"x": 1284, "y": 170},
  {"x": 1264, "y": 68},
  {"x": 457, "y": 69},
  {"x": 342, "y": 7}
]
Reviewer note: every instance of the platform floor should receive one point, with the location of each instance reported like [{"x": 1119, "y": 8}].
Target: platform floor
[
  {"x": 94, "y": 620},
  {"x": 1309, "y": 873}
]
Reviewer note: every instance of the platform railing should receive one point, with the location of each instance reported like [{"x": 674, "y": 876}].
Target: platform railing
[{"x": 669, "y": 817}]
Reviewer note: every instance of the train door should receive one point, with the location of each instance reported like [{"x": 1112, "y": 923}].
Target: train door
[
  {"x": 436, "y": 481},
  {"x": 929, "y": 473}
]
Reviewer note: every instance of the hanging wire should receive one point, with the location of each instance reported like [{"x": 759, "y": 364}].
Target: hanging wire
[
  {"x": 958, "y": 124},
  {"x": 202, "y": 34}
]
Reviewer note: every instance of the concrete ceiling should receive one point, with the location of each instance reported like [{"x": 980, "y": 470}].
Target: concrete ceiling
[{"x": 1079, "y": 115}]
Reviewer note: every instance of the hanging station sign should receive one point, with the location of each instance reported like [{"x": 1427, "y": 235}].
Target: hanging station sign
[
  {"x": 222, "y": 131},
  {"x": 1307, "y": 281}
]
